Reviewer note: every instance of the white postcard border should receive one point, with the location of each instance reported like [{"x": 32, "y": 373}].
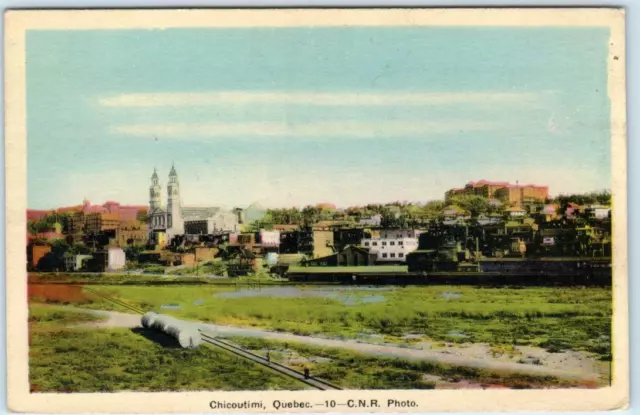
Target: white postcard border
[{"x": 19, "y": 398}]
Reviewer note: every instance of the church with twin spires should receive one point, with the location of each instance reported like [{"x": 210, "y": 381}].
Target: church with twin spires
[{"x": 172, "y": 219}]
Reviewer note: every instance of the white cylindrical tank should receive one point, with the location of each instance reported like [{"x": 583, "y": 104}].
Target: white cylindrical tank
[
  {"x": 148, "y": 319},
  {"x": 187, "y": 335},
  {"x": 162, "y": 321}
]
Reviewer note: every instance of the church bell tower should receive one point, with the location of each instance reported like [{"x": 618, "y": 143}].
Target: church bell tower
[
  {"x": 173, "y": 202},
  {"x": 154, "y": 192}
]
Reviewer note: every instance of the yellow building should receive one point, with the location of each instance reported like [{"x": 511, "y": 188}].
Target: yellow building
[
  {"x": 132, "y": 232},
  {"x": 99, "y": 222}
]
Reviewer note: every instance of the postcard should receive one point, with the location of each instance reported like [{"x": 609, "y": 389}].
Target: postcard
[{"x": 316, "y": 210}]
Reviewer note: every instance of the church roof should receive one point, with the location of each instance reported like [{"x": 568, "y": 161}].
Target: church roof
[
  {"x": 199, "y": 213},
  {"x": 173, "y": 171},
  {"x": 155, "y": 174}
]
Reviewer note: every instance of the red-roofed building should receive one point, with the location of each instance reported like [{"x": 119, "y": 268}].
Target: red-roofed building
[
  {"x": 124, "y": 212},
  {"x": 502, "y": 191},
  {"x": 326, "y": 206},
  {"x": 521, "y": 194},
  {"x": 33, "y": 214}
]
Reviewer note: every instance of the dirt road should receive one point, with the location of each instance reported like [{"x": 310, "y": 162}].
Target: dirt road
[{"x": 568, "y": 365}]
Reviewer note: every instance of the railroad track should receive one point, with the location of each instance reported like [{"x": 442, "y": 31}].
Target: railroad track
[
  {"x": 292, "y": 373},
  {"x": 235, "y": 349},
  {"x": 114, "y": 300}
]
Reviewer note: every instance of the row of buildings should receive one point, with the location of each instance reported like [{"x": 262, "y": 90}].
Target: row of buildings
[{"x": 173, "y": 232}]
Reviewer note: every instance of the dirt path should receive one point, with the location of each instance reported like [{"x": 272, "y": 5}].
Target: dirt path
[{"x": 567, "y": 365}]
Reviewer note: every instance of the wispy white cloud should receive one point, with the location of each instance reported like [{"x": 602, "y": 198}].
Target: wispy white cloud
[
  {"x": 235, "y": 98},
  {"x": 299, "y": 130}
]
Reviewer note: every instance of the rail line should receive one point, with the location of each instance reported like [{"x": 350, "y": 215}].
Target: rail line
[
  {"x": 237, "y": 350},
  {"x": 115, "y": 300},
  {"x": 311, "y": 381}
]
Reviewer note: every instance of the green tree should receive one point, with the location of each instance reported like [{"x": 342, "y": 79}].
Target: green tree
[
  {"x": 54, "y": 260},
  {"x": 310, "y": 215},
  {"x": 475, "y": 205},
  {"x": 132, "y": 252},
  {"x": 142, "y": 216}
]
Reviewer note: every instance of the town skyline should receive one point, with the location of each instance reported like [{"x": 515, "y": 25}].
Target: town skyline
[{"x": 96, "y": 202}]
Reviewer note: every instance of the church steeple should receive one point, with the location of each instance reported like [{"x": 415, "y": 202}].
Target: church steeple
[
  {"x": 154, "y": 191},
  {"x": 154, "y": 177},
  {"x": 173, "y": 198}
]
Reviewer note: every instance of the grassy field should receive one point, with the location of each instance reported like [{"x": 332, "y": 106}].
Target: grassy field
[
  {"x": 355, "y": 269},
  {"x": 553, "y": 318},
  {"x": 352, "y": 370},
  {"x": 64, "y": 359}
]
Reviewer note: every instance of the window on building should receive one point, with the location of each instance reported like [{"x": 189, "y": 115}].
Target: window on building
[
  {"x": 384, "y": 255},
  {"x": 374, "y": 243},
  {"x": 384, "y": 243},
  {"x": 392, "y": 243},
  {"x": 393, "y": 255},
  {"x": 366, "y": 244},
  {"x": 400, "y": 255},
  {"x": 400, "y": 243}
]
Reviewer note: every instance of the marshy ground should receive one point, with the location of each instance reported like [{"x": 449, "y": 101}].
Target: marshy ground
[{"x": 359, "y": 337}]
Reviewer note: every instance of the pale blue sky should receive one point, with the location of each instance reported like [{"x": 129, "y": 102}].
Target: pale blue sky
[{"x": 291, "y": 116}]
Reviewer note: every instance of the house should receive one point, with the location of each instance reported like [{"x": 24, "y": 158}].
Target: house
[
  {"x": 349, "y": 236},
  {"x": 202, "y": 253},
  {"x": 269, "y": 238},
  {"x": 432, "y": 260},
  {"x": 315, "y": 243},
  {"x": 75, "y": 262},
  {"x": 598, "y": 211},
  {"x": 111, "y": 259},
  {"x": 453, "y": 212},
  {"x": 285, "y": 227},
  {"x": 35, "y": 252},
  {"x": 516, "y": 212},
  {"x": 549, "y": 212},
  {"x": 392, "y": 245},
  {"x": 116, "y": 258},
  {"x": 241, "y": 263},
  {"x": 488, "y": 220},
  {"x": 132, "y": 232},
  {"x": 374, "y": 220},
  {"x": 572, "y": 211},
  {"x": 350, "y": 256}
]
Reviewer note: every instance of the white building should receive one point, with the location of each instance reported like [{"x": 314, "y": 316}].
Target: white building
[
  {"x": 116, "y": 259},
  {"x": 399, "y": 233},
  {"x": 393, "y": 245},
  {"x": 516, "y": 212},
  {"x": 175, "y": 219},
  {"x": 374, "y": 220},
  {"x": 599, "y": 211},
  {"x": 75, "y": 262},
  {"x": 270, "y": 238}
]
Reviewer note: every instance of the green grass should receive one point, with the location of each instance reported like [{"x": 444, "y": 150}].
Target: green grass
[
  {"x": 554, "y": 318},
  {"x": 345, "y": 269},
  {"x": 57, "y": 315},
  {"x": 352, "y": 370},
  {"x": 186, "y": 276},
  {"x": 106, "y": 360}
]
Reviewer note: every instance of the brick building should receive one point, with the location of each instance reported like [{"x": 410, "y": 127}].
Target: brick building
[
  {"x": 35, "y": 252},
  {"x": 100, "y": 222},
  {"x": 503, "y": 191},
  {"x": 132, "y": 232}
]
